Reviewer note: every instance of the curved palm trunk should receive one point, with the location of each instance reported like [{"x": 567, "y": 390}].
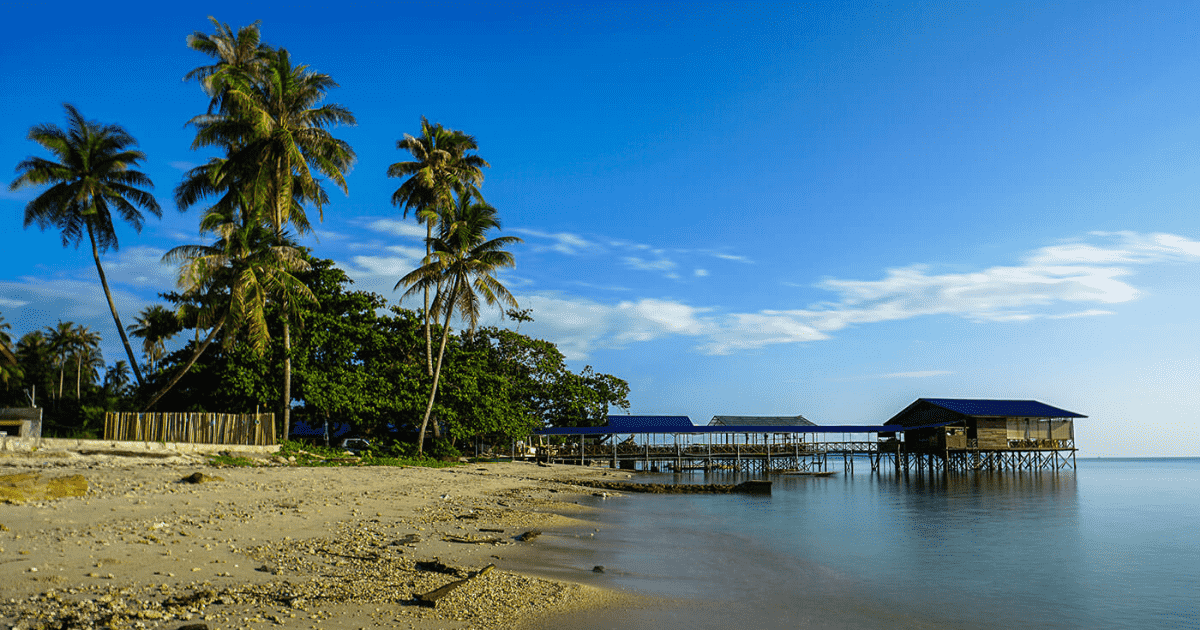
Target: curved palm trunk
[
  {"x": 192, "y": 361},
  {"x": 437, "y": 373},
  {"x": 287, "y": 377},
  {"x": 112, "y": 306},
  {"x": 78, "y": 375},
  {"x": 437, "y": 431}
]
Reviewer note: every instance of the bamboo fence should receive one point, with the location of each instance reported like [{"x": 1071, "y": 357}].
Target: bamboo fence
[{"x": 196, "y": 428}]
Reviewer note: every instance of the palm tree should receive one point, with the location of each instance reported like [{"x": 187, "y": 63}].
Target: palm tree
[
  {"x": 61, "y": 341},
  {"x": 461, "y": 268},
  {"x": 85, "y": 350},
  {"x": 239, "y": 57},
  {"x": 232, "y": 280},
  {"x": 9, "y": 368},
  {"x": 92, "y": 178},
  {"x": 154, "y": 326},
  {"x": 441, "y": 164},
  {"x": 116, "y": 378},
  {"x": 275, "y": 133}
]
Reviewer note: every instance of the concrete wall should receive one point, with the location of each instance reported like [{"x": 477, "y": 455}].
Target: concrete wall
[
  {"x": 29, "y": 444},
  {"x": 30, "y": 419}
]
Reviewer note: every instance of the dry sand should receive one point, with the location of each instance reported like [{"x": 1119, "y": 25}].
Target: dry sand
[{"x": 284, "y": 546}]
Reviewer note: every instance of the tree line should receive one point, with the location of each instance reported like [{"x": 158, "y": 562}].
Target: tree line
[{"x": 271, "y": 326}]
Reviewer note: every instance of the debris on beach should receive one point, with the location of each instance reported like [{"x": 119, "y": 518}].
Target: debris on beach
[
  {"x": 199, "y": 477},
  {"x": 431, "y": 598}
]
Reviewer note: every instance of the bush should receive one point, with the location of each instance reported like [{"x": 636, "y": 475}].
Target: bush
[{"x": 443, "y": 450}]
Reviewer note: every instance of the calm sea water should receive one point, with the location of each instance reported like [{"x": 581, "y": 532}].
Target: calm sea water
[{"x": 1114, "y": 544}]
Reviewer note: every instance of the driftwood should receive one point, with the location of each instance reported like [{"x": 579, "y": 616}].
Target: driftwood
[
  {"x": 431, "y": 598},
  {"x": 437, "y": 566}
]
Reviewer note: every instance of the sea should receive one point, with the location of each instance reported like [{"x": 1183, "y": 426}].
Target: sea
[{"x": 1114, "y": 543}]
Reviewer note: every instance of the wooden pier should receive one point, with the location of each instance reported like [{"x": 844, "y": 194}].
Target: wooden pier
[{"x": 930, "y": 435}]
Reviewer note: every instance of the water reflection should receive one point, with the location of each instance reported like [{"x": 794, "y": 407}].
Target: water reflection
[{"x": 1064, "y": 549}]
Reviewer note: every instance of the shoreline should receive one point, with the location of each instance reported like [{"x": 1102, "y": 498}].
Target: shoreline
[{"x": 281, "y": 546}]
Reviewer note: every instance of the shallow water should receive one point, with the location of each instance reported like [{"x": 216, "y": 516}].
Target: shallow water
[{"x": 1114, "y": 544}]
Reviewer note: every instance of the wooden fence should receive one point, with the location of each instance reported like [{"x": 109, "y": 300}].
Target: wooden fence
[{"x": 199, "y": 428}]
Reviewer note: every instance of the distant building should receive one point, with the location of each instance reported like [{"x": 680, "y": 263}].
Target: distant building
[
  {"x": 970, "y": 433},
  {"x": 760, "y": 421}
]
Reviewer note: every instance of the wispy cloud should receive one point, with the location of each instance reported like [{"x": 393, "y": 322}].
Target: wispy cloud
[
  {"x": 561, "y": 242},
  {"x": 395, "y": 227},
  {"x": 181, "y": 165},
  {"x": 660, "y": 264},
  {"x": 1050, "y": 283},
  {"x": 917, "y": 374}
]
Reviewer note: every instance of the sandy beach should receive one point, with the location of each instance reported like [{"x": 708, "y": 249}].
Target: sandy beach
[{"x": 284, "y": 546}]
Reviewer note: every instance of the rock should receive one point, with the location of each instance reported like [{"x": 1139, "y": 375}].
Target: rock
[
  {"x": 529, "y": 535},
  {"x": 597, "y": 569},
  {"x": 193, "y": 626},
  {"x": 199, "y": 477},
  {"x": 31, "y": 487}
]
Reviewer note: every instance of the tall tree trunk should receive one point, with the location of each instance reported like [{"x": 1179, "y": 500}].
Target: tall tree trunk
[
  {"x": 437, "y": 373},
  {"x": 78, "y": 374},
  {"x": 192, "y": 361},
  {"x": 61, "y": 368},
  {"x": 287, "y": 376},
  {"x": 428, "y": 335},
  {"x": 137, "y": 372},
  {"x": 437, "y": 430}
]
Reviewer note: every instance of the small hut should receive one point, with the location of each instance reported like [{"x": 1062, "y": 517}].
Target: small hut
[{"x": 1022, "y": 433}]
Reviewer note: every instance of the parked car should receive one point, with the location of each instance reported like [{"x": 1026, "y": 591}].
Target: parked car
[{"x": 355, "y": 445}]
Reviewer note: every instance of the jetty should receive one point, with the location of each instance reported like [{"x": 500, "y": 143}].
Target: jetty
[{"x": 931, "y": 434}]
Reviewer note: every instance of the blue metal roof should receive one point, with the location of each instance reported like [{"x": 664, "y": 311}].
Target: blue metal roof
[
  {"x": 610, "y": 430},
  {"x": 639, "y": 424},
  {"x": 1002, "y": 408}
]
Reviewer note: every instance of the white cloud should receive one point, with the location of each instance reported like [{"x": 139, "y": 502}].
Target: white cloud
[
  {"x": 662, "y": 264},
  {"x": 1051, "y": 284},
  {"x": 561, "y": 242},
  {"x": 917, "y": 374},
  {"x": 407, "y": 229},
  {"x": 181, "y": 165},
  {"x": 741, "y": 259},
  {"x": 700, "y": 273},
  {"x": 140, "y": 267}
]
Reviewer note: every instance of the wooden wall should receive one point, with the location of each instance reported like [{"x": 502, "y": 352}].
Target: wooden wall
[{"x": 198, "y": 428}]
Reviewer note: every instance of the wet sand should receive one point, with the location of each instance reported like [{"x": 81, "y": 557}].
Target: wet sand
[{"x": 284, "y": 546}]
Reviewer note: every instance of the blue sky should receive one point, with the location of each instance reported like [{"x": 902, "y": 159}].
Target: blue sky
[{"x": 739, "y": 208}]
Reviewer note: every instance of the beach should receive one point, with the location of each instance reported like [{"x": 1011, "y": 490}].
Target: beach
[{"x": 277, "y": 545}]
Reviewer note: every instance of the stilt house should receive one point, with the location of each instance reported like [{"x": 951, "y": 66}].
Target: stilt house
[{"x": 942, "y": 425}]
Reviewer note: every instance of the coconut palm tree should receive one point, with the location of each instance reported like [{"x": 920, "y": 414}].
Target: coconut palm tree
[
  {"x": 9, "y": 368},
  {"x": 441, "y": 164},
  {"x": 61, "y": 342},
  {"x": 154, "y": 326},
  {"x": 85, "y": 352},
  {"x": 116, "y": 378},
  {"x": 461, "y": 268},
  {"x": 239, "y": 58},
  {"x": 275, "y": 132},
  {"x": 93, "y": 178},
  {"x": 233, "y": 279}
]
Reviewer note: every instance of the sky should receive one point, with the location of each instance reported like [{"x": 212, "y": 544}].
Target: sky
[{"x": 740, "y": 208}]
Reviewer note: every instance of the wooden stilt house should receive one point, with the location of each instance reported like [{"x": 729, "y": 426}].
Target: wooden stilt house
[{"x": 973, "y": 433}]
